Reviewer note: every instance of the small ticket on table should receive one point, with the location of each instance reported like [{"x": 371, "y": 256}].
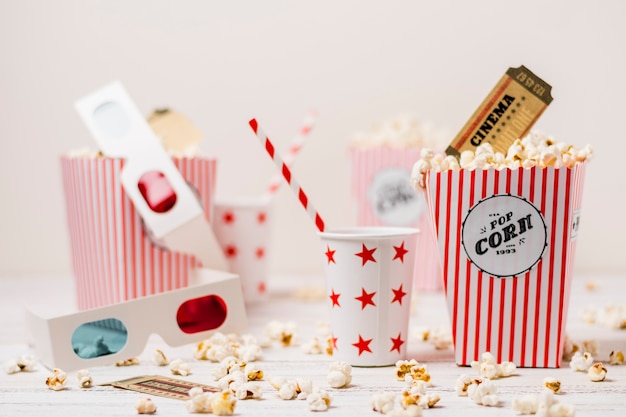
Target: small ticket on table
[
  {"x": 161, "y": 386},
  {"x": 506, "y": 114}
]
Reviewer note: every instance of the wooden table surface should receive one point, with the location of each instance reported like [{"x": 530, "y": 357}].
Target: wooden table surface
[{"x": 25, "y": 393}]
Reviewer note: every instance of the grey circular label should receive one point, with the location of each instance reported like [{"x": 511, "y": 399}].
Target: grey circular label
[
  {"x": 393, "y": 199},
  {"x": 504, "y": 235}
]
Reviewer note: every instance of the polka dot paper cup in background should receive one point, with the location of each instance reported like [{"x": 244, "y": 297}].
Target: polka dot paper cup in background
[
  {"x": 369, "y": 274},
  {"x": 507, "y": 240},
  {"x": 243, "y": 228}
]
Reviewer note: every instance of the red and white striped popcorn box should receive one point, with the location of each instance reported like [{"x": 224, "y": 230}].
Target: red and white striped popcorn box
[
  {"x": 507, "y": 240},
  {"x": 369, "y": 274},
  {"x": 381, "y": 184},
  {"x": 113, "y": 257}
]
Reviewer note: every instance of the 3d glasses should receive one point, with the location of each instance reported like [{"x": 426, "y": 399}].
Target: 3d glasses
[{"x": 105, "y": 335}]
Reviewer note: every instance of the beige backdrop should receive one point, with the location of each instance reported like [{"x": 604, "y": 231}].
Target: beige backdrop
[{"x": 357, "y": 62}]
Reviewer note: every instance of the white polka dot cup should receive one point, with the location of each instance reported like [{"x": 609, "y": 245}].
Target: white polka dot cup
[
  {"x": 243, "y": 229},
  {"x": 369, "y": 274}
]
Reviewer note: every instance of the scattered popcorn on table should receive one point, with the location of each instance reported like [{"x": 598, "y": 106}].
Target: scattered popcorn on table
[
  {"x": 25, "y": 363},
  {"x": 288, "y": 391},
  {"x": 581, "y": 361},
  {"x": 127, "y": 362},
  {"x": 462, "y": 383},
  {"x": 145, "y": 406},
  {"x": 222, "y": 403},
  {"x": 416, "y": 384},
  {"x": 412, "y": 369},
  {"x": 383, "y": 401},
  {"x": 535, "y": 149},
  {"x": 84, "y": 378},
  {"x": 488, "y": 367},
  {"x": 429, "y": 400},
  {"x": 616, "y": 358},
  {"x": 199, "y": 401},
  {"x": 340, "y": 374},
  {"x": 285, "y": 333},
  {"x": 277, "y": 381},
  {"x": 528, "y": 404},
  {"x": 232, "y": 381},
  {"x": 299, "y": 388},
  {"x": 249, "y": 390},
  {"x": 252, "y": 372},
  {"x": 57, "y": 381},
  {"x": 313, "y": 347},
  {"x": 178, "y": 367},
  {"x": 597, "y": 372},
  {"x": 611, "y": 316},
  {"x": 552, "y": 384},
  {"x": 441, "y": 338},
  {"x": 319, "y": 400},
  {"x": 218, "y": 403},
  {"x": 483, "y": 392},
  {"x": 548, "y": 406},
  {"x": 220, "y": 346},
  {"x": 159, "y": 358},
  {"x": 394, "y": 405},
  {"x": 591, "y": 285}
]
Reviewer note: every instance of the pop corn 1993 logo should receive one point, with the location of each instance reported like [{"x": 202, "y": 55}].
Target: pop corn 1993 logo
[
  {"x": 504, "y": 235},
  {"x": 393, "y": 199}
]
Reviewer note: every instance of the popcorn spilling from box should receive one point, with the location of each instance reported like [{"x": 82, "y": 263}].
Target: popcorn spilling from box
[{"x": 535, "y": 149}]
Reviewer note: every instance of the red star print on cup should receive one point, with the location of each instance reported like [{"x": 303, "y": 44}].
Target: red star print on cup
[
  {"x": 363, "y": 345},
  {"x": 261, "y": 287},
  {"x": 259, "y": 253},
  {"x": 398, "y": 295},
  {"x": 330, "y": 254},
  {"x": 261, "y": 217},
  {"x": 397, "y": 343},
  {"x": 400, "y": 252},
  {"x": 334, "y": 297},
  {"x": 366, "y": 255},
  {"x": 366, "y": 298}
]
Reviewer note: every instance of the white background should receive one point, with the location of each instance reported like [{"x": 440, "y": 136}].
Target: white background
[{"x": 357, "y": 62}]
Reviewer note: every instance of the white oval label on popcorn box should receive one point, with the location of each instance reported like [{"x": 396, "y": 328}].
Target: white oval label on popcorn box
[
  {"x": 504, "y": 235},
  {"x": 393, "y": 199}
]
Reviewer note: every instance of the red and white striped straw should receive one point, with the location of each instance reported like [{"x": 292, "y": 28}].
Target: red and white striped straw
[
  {"x": 296, "y": 145},
  {"x": 286, "y": 172}
]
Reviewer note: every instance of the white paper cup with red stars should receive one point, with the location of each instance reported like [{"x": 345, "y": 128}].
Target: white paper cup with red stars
[
  {"x": 243, "y": 229},
  {"x": 369, "y": 274}
]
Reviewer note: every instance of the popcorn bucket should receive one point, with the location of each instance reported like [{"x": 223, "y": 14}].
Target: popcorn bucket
[
  {"x": 507, "y": 240},
  {"x": 381, "y": 184},
  {"x": 113, "y": 257},
  {"x": 369, "y": 273},
  {"x": 243, "y": 229}
]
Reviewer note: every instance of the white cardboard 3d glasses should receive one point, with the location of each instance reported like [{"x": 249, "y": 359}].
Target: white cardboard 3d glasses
[{"x": 107, "y": 334}]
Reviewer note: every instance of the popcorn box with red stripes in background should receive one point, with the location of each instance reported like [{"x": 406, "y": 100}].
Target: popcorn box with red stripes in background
[
  {"x": 381, "y": 163},
  {"x": 114, "y": 258},
  {"x": 507, "y": 240}
]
